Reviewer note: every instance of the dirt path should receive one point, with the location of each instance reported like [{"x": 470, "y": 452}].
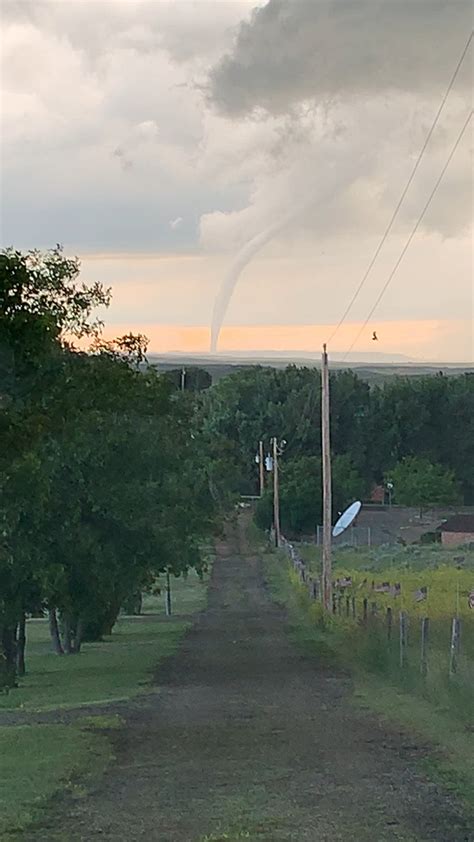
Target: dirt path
[{"x": 248, "y": 738}]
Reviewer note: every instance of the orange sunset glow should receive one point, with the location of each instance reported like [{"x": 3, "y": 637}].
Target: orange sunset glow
[{"x": 408, "y": 337}]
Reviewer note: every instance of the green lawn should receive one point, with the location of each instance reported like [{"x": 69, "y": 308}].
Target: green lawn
[
  {"x": 115, "y": 668},
  {"x": 36, "y": 761}
]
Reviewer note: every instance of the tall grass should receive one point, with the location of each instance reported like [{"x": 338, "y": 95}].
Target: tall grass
[{"x": 368, "y": 645}]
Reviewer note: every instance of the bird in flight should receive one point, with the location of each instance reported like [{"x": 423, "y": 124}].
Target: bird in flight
[{"x": 375, "y": 337}]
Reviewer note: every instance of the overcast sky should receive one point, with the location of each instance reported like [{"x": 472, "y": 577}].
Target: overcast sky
[{"x": 156, "y": 139}]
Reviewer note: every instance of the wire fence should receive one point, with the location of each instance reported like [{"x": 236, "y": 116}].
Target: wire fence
[
  {"x": 355, "y": 536},
  {"x": 403, "y": 634}
]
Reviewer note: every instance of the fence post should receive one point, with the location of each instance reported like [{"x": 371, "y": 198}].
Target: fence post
[
  {"x": 425, "y": 624},
  {"x": 334, "y": 606},
  {"x": 403, "y": 637},
  {"x": 339, "y": 604},
  {"x": 369, "y": 537},
  {"x": 455, "y": 637},
  {"x": 364, "y": 609},
  {"x": 348, "y": 606},
  {"x": 389, "y": 623},
  {"x": 353, "y": 607}
]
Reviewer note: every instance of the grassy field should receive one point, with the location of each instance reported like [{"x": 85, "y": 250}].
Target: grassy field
[
  {"x": 374, "y": 647},
  {"x": 115, "y": 668},
  {"x": 436, "y": 706},
  {"x": 36, "y": 761}
]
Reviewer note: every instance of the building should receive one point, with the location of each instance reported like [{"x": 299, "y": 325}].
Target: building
[
  {"x": 456, "y": 530},
  {"x": 377, "y": 495}
]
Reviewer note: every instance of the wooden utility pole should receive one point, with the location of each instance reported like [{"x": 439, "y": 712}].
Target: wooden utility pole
[
  {"x": 327, "y": 492},
  {"x": 276, "y": 493},
  {"x": 261, "y": 467},
  {"x": 183, "y": 378}
]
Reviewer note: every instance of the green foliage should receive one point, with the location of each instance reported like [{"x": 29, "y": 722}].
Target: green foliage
[
  {"x": 194, "y": 378},
  {"x": 301, "y": 493},
  {"x": 429, "y": 416},
  {"x": 41, "y": 301},
  {"x": 419, "y": 482},
  {"x": 104, "y": 483}
]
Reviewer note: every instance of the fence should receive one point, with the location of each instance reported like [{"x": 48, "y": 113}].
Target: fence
[
  {"x": 391, "y": 631},
  {"x": 356, "y": 536}
]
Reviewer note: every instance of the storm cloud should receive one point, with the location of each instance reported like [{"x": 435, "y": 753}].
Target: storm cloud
[{"x": 296, "y": 50}]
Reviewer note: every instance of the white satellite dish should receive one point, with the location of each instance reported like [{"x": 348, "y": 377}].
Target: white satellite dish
[{"x": 347, "y": 518}]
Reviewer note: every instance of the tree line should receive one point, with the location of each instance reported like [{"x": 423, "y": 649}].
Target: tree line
[
  {"x": 417, "y": 432},
  {"x": 104, "y": 482}
]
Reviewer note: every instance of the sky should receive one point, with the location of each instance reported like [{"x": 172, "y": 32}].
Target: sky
[{"x": 168, "y": 143}]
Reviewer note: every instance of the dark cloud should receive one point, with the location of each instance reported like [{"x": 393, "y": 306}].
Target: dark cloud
[{"x": 294, "y": 50}]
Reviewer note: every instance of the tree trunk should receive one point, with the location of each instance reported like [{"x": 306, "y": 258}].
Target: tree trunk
[
  {"x": 67, "y": 636},
  {"x": 54, "y": 632},
  {"x": 21, "y": 645},
  {"x": 78, "y": 637},
  {"x": 8, "y": 644}
]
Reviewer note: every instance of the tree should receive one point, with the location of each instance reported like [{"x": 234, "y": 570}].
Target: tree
[
  {"x": 347, "y": 484},
  {"x": 301, "y": 493},
  {"x": 103, "y": 484},
  {"x": 42, "y": 303},
  {"x": 419, "y": 482},
  {"x": 193, "y": 378}
]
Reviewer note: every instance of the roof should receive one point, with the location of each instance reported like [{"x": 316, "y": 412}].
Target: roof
[{"x": 458, "y": 523}]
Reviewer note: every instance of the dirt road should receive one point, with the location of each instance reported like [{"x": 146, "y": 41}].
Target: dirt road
[{"x": 247, "y": 739}]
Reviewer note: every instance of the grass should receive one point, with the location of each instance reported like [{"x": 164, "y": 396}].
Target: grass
[
  {"x": 370, "y": 646},
  {"x": 117, "y": 667},
  {"x": 39, "y": 760},
  {"x": 440, "y": 714}
]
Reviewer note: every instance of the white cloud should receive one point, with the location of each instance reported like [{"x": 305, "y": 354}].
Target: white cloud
[{"x": 154, "y": 125}]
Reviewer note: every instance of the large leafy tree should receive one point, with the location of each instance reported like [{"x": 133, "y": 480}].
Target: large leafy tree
[
  {"x": 419, "y": 482},
  {"x": 103, "y": 482}
]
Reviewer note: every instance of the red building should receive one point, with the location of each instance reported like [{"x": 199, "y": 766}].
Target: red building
[{"x": 458, "y": 529}]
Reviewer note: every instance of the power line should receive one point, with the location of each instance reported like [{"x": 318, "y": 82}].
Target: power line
[
  {"x": 405, "y": 190},
  {"x": 413, "y": 232}
]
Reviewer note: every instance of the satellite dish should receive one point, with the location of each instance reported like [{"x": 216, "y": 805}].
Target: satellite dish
[{"x": 347, "y": 518}]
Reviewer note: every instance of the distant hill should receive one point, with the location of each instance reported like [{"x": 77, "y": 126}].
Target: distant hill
[{"x": 373, "y": 368}]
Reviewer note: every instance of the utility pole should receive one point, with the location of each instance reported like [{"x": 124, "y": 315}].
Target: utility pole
[
  {"x": 327, "y": 493},
  {"x": 183, "y": 378},
  {"x": 261, "y": 468},
  {"x": 276, "y": 493}
]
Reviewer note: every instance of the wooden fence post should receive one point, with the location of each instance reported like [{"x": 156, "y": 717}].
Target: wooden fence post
[
  {"x": 364, "y": 609},
  {"x": 455, "y": 638},
  {"x": 425, "y": 624},
  {"x": 403, "y": 637},
  {"x": 353, "y": 607},
  {"x": 348, "y": 606},
  {"x": 389, "y": 623}
]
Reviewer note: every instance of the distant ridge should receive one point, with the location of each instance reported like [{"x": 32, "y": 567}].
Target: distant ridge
[
  {"x": 301, "y": 358},
  {"x": 373, "y": 369}
]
